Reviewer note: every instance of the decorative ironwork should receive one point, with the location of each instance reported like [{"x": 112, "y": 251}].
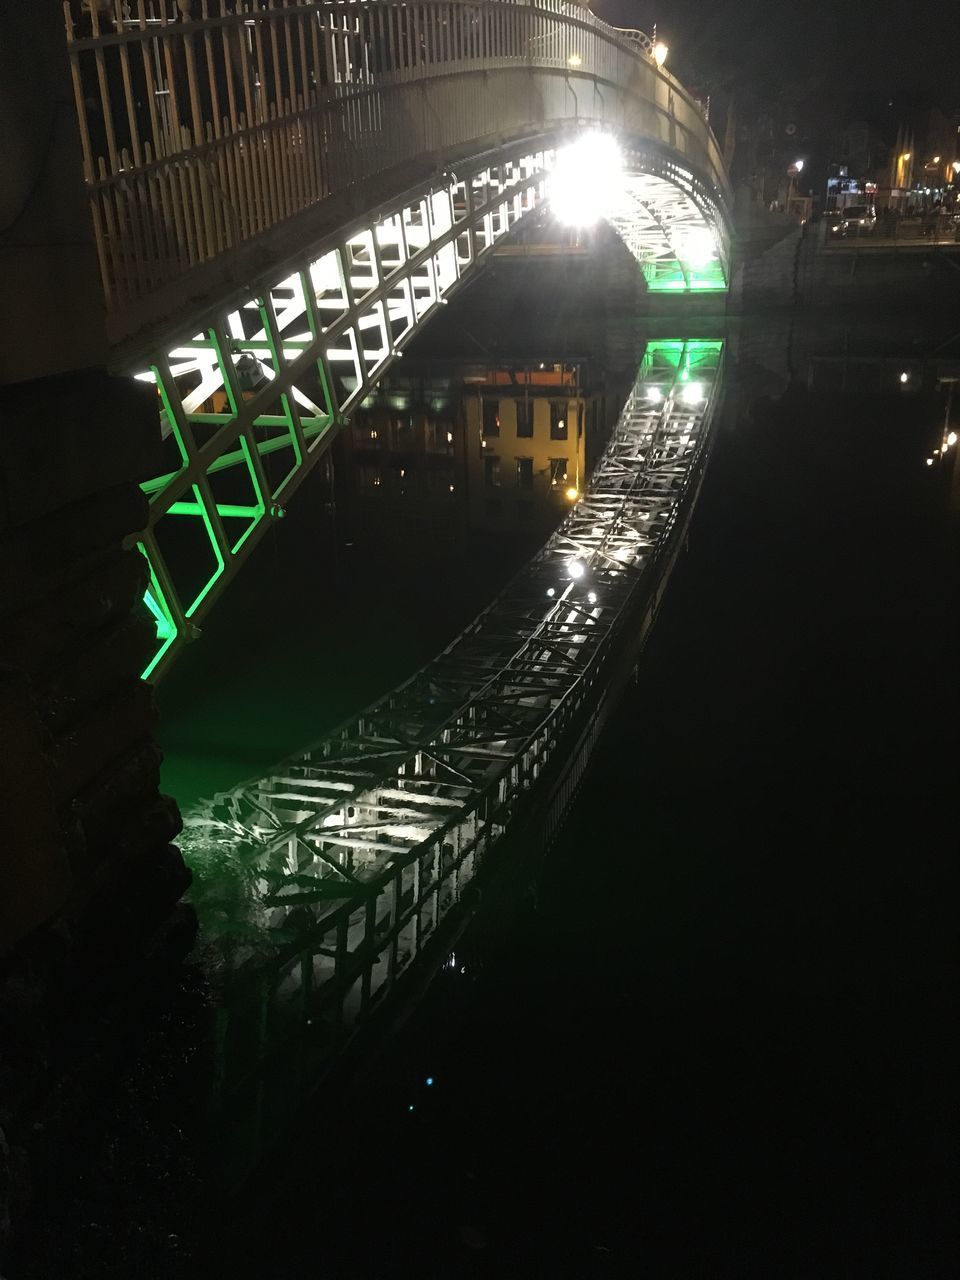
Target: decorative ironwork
[{"x": 344, "y": 862}]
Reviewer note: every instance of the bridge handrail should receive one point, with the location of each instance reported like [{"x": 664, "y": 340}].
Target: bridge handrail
[{"x": 204, "y": 123}]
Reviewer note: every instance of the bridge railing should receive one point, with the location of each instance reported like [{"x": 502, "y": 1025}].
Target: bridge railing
[{"x": 204, "y": 123}]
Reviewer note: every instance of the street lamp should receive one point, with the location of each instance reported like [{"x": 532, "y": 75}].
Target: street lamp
[{"x": 660, "y": 51}]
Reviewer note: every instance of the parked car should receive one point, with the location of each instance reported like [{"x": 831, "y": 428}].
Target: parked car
[{"x": 855, "y": 220}]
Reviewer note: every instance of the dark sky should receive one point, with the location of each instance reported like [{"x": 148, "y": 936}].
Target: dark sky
[{"x": 855, "y": 48}]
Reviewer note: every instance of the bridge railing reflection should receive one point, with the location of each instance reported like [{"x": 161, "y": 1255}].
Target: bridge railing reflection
[
  {"x": 204, "y": 124},
  {"x": 323, "y": 884}
]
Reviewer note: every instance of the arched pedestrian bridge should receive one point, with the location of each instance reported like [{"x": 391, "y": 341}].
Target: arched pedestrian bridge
[{"x": 283, "y": 194}]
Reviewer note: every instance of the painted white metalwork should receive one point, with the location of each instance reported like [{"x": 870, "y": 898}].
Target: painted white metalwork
[
  {"x": 206, "y": 125},
  {"x": 352, "y": 853},
  {"x": 251, "y": 401}
]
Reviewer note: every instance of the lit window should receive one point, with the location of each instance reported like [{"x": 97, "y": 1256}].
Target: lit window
[{"x": 491, "y": 418}]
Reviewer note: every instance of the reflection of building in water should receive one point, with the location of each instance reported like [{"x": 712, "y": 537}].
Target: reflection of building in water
[
  {"x": 467, "y": 444},
  {"x": 526, "y": 432}
]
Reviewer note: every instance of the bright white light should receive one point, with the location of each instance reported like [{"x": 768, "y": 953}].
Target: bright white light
[
  {"x": 592, "y": 597},
  {"x": 572, "y": 494},
  {"x": 904, "y": 377},
  {"x": 952, "y": 438},
  {"x": 586, "y": 181},
  {"x": 145, "y": 377},
  {"x": 551, "y": 592},
  {"x": 697, "y": 247},
  {"x": 929, "y": 462},
  {"x": 574, "y": 60},
  {"x": 654, "y": 395},
  {"x": 693, "y": 393},
  {"x": 955, "y": 166},
  {"x": 798, "y": 165},
  {"x": 660, "y": 52},
  {"x": 576, "y": 569},
  {"x": 449, "y": 437}
]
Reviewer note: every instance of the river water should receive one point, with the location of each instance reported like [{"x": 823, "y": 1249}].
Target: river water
[{"x": 714, "y": 1038}]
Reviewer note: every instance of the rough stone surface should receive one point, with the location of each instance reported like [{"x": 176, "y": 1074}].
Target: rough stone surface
[{"x": 88, "y": 875}]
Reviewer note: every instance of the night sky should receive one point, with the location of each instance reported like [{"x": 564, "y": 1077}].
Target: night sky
[{"x": 854, "y": 50}]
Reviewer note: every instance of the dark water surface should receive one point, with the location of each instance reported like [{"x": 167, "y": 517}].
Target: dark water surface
[
  {"x": 716, "y": 1038},
  {"x": 718, "y": 1041}
]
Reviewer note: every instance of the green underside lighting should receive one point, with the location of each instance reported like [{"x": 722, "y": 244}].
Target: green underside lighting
[
  {"x": 153, "y": 598},
  {"x": 670, "y": 277},
  {"x": 226, "y": 510}
]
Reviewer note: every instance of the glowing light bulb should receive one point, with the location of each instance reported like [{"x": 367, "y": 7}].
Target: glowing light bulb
[
  {"x": 572, "y": 494},
  {"x": 654, "y": 395},
  {"x": 576, "y": 569},
  {"x": 592, "y": 597},
  {"x": 952, "y": 438},
  {"x": 697, "y": 247},
  {"x": 551, "y": 592},
  {"x": 586, "y": 182},
  {"x": 904, "y": 377},
  {"x": 660, "y": 51},
  {"x": 693, "y": 393}
]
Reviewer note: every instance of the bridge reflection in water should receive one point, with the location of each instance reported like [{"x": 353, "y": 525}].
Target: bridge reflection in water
[{"x": 352, "y": 866}]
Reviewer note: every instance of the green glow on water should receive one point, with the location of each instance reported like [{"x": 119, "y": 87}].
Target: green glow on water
[{"x": 673, "y": 277}]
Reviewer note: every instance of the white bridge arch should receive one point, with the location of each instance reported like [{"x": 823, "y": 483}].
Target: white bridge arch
[{"x": 313, "y": 182}]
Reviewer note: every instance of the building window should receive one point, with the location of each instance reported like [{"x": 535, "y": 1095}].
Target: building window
[
  {"x": 524, "y": 473},
  {"x": 491, "y": 418},
  {"x": 558, "y": 422},
  {"x": 524, "y": 419},
  {"x": 491, "y": 471},
  {"x": 558, "y": 470}
]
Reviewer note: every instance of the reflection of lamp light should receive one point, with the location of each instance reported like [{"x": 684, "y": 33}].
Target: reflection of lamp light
[
  {"x": 660, "y": 51},
  {"x": 955, "y": 166}
]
